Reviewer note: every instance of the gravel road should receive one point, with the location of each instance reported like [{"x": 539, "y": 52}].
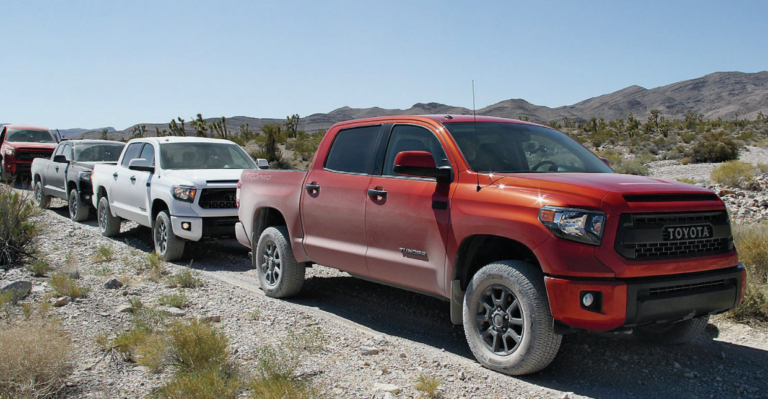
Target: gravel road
[{"x": 411, "y": 333}]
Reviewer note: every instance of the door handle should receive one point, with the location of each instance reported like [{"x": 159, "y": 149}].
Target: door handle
[
  {"x": 312, "y": 187},
  {"x": 114, "y": 175},
  {"x": 133, "y": 179},
  {"x": 377, "y": 192},
  {"x": 57, "y": 169}
]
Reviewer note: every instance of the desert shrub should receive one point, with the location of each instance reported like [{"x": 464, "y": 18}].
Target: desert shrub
[
  {"x": 632, "y": 167},
  {"x": 752, "y": 244},
  {"x": 185, "y": 279},
  {"x": 18, "y": 229},
  {"x": 210, "y": 383},
  {"x": 39, "y": 268},
  {"x": 428, "y": 385},
  {"x": 34, "y": 360},
  {"x": 685, "y": 161},
  {"x": 613, "y": 156},
  {"x": 715, "y": 147},
  {"x": 154, "y": 352},
  {"x": 177, "y": 300},
  {"x": 127, "y": 342},
  {"x": 154, "y": 264},
  {"x": 733, "y": 174},
  {"x": 687, "y": 137},
  {"x": 762, "y": 168},
  {"x": 64, "y": 285},
  {"x": 104, "y": 254},
  {"x": 198, "y": 346}
]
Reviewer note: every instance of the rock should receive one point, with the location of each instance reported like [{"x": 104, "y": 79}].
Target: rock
[
  {"x": 689, "y": 375},
  {"x": 725, "y": 192},
  {"x": 211, "y": 319},
  {"x": 62, "y": 301},
  {"x": 391, "y": 388},
  {"x": 19, "y": 288},
  {"x": 678, "y": 366},
  {"x": 462, "y": 376},
  {"x": 565, "y": 396},
  {"x": 124, "y": 309},
  {"x": 173, "y": 312},
  {"x": 368, "y": 351},
  {"x": 387, "y": 395},
  {"x": 113, "y": 283}
]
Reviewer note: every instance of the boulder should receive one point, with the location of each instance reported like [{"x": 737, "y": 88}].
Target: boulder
[
  {"x": 62, "y": 301},
  {"x": 113, "y": 284},
  {"x": 19, "y": 288}
]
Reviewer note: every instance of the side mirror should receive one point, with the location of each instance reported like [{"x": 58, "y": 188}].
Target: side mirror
[
  {"x": 60, "y": 159},
  {"x": 141, "y": 165},
  {"x": 421, "y": 164},
  {"x": 262, "y": 163},
  {"x": 605, "y": 161}
]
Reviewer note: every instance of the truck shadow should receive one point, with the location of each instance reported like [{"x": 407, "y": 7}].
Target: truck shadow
[{"x": 589, "y": 364}]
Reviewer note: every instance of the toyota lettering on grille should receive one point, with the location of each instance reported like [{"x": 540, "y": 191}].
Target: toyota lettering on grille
[{"x": 678, "y": 233}]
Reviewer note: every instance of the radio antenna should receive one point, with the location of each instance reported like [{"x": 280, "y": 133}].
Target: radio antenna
[{"x": 474, "y": 127}]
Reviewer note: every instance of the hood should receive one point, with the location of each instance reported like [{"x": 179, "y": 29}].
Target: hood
[
  {"x": 36, "y": 146},
  {"x": 202, "y": 177},
  {"x": 577, "y": 188}
]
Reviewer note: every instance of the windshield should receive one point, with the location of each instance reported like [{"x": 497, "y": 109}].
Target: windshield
[
  {"x": 30, "y": 136},
  {"x": 180, "y": 156},
  {"x": 98, "y": 152},
  {"x": 516, "y": 148}
]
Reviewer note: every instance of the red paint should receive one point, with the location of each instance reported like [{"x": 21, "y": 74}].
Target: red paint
[
  {"x": 11, "y": 162},
  {"x": 417, "y": 159}
]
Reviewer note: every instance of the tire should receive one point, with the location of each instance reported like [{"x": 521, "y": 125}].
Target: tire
[
  {"x": 78, "y": 211},
  {"x": 41, "y": 200},
  {"x": 280, "y": 276},
  {"x": 167, "y": 244},
  {"x": 675, "y": 333},
  {"x": 108, "y": 225},
  {"x": 508, "y": 299}
]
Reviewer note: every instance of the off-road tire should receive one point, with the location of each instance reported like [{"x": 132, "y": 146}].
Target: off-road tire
[
  {"x": 675, "y": 333},
  {"x": 78, "y": 211},
  {"x": 109, "y": 225},
  {"x": 41, "y": 200},
  {"x": 280, "y": 275},
  {"x": 537, "y": 344},
  {"x": 167, "y": 244}
]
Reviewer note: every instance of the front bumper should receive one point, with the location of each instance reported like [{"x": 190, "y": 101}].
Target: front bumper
[
  {"x": 199, "y": 228},
  {"x": 642, "y": 301}
]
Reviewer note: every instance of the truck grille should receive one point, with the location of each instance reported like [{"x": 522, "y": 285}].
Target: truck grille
[
  {"x": 25, "y": 155},
  {"x": 675, "y": 289},
  {"x": 217, "y": 198},
  {"x": 646, "y": 237}
]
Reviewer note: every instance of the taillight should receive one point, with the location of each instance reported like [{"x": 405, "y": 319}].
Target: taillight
[{"x": 237, "y": 193}]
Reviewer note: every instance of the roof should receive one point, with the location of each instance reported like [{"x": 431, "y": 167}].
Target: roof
[
  {"x": 174, "y": 139},
  {"x": 444, "y": 119},
  {"x": 28, "y": 127},
  {"x": 94, "y": 141}
]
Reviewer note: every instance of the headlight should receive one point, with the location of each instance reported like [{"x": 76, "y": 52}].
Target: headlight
[
  {"x": 184, "y": 193},
  {"x": 85, "y": 176},
  {"x": 10, "y": 151},
  {"x": 574, "y": 224}
]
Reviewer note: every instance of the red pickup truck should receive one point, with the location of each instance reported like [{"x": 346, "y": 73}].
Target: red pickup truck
[
  {"x": 20, "y": 145},
  {"x": 528, "y": 234}
]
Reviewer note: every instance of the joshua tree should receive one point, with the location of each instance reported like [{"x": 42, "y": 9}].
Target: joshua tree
[
  {"x": 177, "y": 129},
  {"x": 219, "y": 128},
  {"x": 139, "y": 131},
  {"x": 200, "y": 126},
  {"x": 245, "y": 133},
  {"x": 292, "y": 125},
  {"x": 653, "y": 118},
  {"x": 104, "y": 133}
]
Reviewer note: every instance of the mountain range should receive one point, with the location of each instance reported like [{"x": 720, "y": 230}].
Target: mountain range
[{"x": 718, "y": 95}]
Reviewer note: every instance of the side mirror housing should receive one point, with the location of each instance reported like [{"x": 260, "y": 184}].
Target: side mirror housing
[
  {"x": 605, "y": 161},
  {"x": 421, "y": 164},
  {"x": 60, "y": 159},
  {"x": 262, "y": 163},
  {"x": 141, "y": 165}
]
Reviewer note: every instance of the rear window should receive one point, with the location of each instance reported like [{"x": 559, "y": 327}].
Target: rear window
[{"x": 352, "y": 150}]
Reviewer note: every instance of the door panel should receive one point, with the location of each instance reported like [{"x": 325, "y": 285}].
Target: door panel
[
  {"x": 407, "y": 218},
  {"x": 121, "y": 183},
  {"x": 138, "y": 192}
]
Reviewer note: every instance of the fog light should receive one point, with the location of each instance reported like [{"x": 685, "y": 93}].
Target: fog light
[
  {"x": 592, "y": 300},
  {"x": 588, "y": 299},
  {"x": 186, "y": 226}
]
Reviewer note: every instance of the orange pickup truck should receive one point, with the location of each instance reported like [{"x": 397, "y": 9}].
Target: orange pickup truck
[{"x": 528, "y": 234}]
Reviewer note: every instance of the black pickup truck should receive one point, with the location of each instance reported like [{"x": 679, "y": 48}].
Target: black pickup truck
[{"x": 67, "y": 175}]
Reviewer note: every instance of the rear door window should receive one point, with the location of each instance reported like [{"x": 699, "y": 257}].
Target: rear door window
[
  {"x": 352, "y": 150},
  {"x": 131, "y": 153}
]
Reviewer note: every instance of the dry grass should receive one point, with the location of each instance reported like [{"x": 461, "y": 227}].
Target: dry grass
[
  {"x": 39, "y": 268},
  {"x": 198, "y": 346},
  {"x": 210, "y": 383},
  {"x": 64, "y": 285},
  {"x": 752, "y": 244},
  {"x": 18, "y": 229},
  {"x": 733, "y": 174},
  {"x": 185, "y": 279},
  {"x": 177, "y": 300},
  {"x": 34, "y": 360},
  {"x": 154, "y": 352},
  {"x": 428, "y": 385},
  {"x": 104, "y": 254}
]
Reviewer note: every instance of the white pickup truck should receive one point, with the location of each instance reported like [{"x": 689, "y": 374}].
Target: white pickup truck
[{"x": 182, "y": 188}]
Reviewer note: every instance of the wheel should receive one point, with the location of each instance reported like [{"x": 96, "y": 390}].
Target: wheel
[
  {"x": 507, "y": 320},
  {"x": 675, "y": 333},
  {"x": 167, "y": 244},
  {"x": 108, "y": 225},
  {"x": 280, "y": 275},
  {"x": 78, "y": 211},
  {"x": 41, "y": 200}
]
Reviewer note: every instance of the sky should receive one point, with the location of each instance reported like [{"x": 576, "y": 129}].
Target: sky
[{"x": 89, "y": 64}]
